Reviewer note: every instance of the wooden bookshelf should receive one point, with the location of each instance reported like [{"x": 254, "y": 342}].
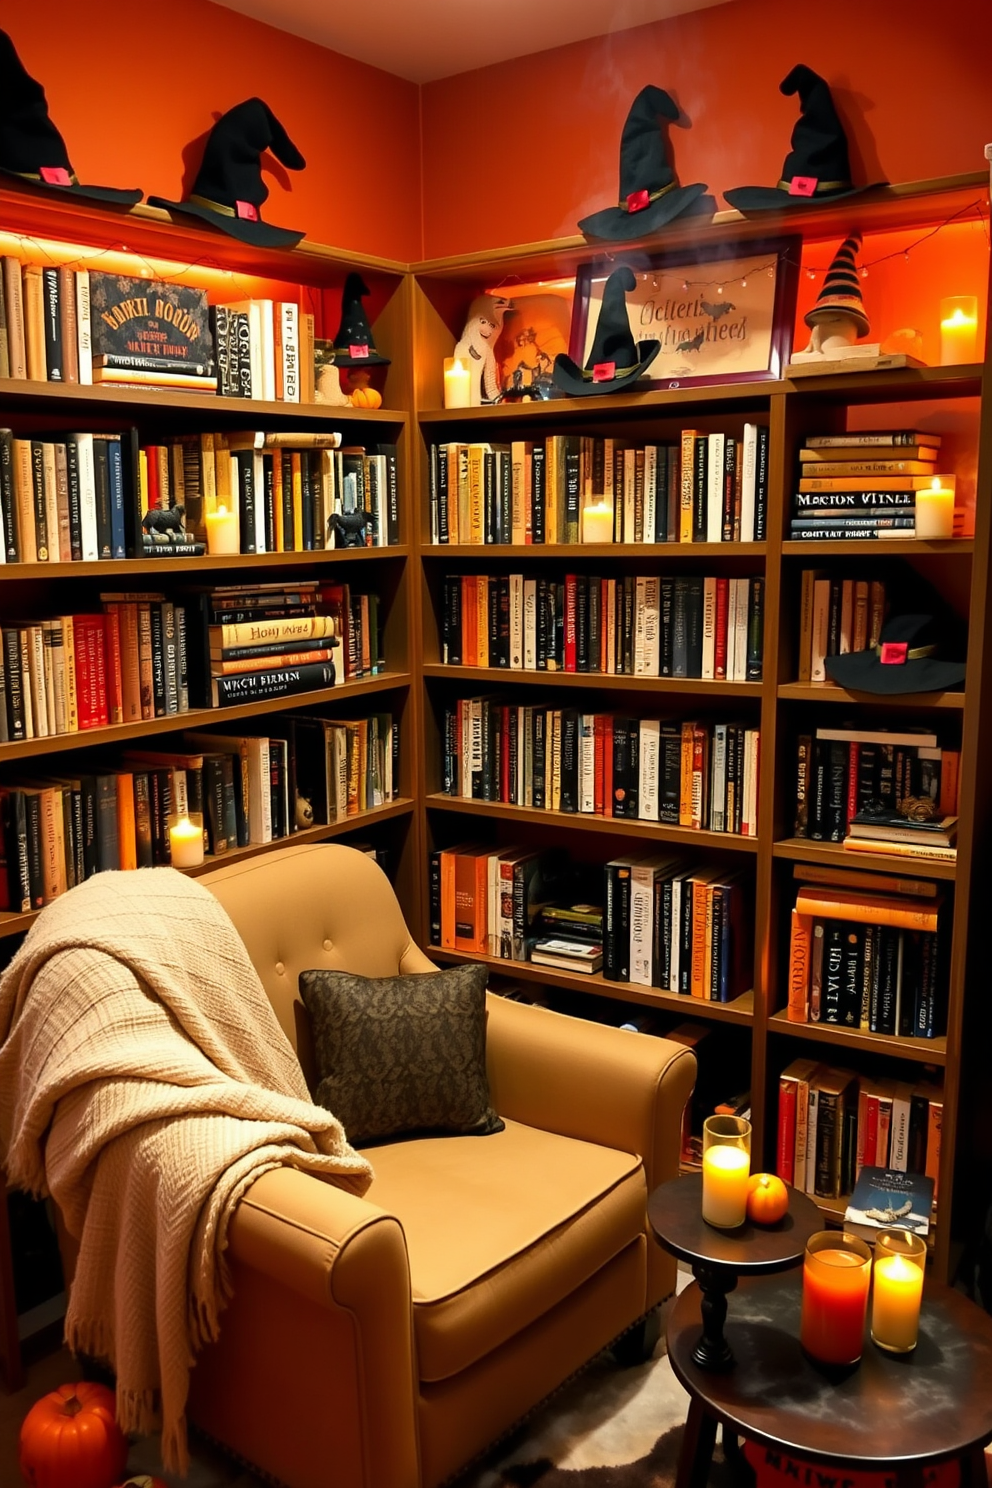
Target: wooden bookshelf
[{"x": 958, "y": 570}]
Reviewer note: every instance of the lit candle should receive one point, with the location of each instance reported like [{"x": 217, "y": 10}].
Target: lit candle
[
  {"x": 186, "y": 842},
  {"x": 958, "y": 330},
  {"x": 457, "y": 393},
  {"x": 835, "y": 1298},
  {"x": 725, "y": 1174},
  {"x": 223, "y": 535},
  {"x": 597, "y": 522},
  {"x": 897, "y": 1290},
  {"x": 935, "y": 508}
]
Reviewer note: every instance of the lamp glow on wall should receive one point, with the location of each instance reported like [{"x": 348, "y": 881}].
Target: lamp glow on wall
[{"x": 958, "y": 330}]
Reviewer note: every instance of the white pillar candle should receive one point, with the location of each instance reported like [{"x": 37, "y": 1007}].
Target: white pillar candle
[
  {"x": 958, "y": 330},
  {"x": 186, "y": 842},
  {"x": 935, "y": 508},
  {"x": 597, "y": 522},
  {"x": 725, "y": 1176},
  {"x": 223, "y": 535},
  {"x": 457, "y": 392}
]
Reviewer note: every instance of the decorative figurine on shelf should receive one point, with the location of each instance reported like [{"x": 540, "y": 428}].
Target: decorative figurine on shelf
[
  {"x": 354, "y": 346},
  {"x": 615, "y": 360},
  {"x": 228, "y": 191},
  {"x": 303, "y": 813},
  {"x": 476, "y": 347},
  {"x": 348, "y": 528},
  {"x": 165, "y": 524},
  {"x": 327, "y": 377}
]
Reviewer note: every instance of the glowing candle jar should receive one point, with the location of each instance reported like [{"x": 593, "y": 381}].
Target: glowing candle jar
[
  {"x": 958, "y": 330},
  {"x": 457, "y": 392},
  {"x": 935, "y": 508},
  {"x": 897, "y": 1290},
  {"x": 223, "y": 533},
  {"x": 186, "y": 840},
  {"x": 597, "y": 522},
  {"x": 726, "y": 1169},
  {"x": 836, "y": 1276}
]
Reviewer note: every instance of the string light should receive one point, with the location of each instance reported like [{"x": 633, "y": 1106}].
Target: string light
[{"x": 78, "y": 256}]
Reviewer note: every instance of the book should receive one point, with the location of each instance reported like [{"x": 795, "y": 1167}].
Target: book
[
  {"x": 148, "y": 318},
  {"x": 568, "y": 955},
  {"x": 883, "y": 1197},
  {"x": 895, "y": 827}
]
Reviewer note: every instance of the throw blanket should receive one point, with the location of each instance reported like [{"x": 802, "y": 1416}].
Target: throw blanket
[{"x": 145, "y": 1083}]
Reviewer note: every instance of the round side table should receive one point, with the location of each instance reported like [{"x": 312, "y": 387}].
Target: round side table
[{"x": 719, "y": 1257}]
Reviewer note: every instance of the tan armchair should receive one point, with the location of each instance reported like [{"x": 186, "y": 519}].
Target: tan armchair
[{"x": 383, "y": 1342}]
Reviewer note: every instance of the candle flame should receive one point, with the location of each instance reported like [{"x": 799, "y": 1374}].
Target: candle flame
[
  {"x": 935, "y": 483},
  {"x": 456, "y": 366},
  {"x": 958, "y": 318}
]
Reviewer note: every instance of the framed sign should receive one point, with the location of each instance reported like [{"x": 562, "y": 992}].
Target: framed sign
[{"x": 725, "y": 315}]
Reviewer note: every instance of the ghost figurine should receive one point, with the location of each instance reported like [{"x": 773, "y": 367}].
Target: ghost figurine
[{"x": 476, "y": 347}]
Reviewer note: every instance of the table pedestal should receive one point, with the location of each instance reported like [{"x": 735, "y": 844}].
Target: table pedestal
[{"x": 715, "y": 1282}]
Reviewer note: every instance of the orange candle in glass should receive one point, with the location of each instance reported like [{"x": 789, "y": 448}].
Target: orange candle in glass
[{"x": 836, "y": 1277}]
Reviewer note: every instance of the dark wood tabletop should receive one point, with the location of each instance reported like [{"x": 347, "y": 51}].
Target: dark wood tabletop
[
  {"x": 675, "y": 1213},
  {"x": 889, "y": 1410}
]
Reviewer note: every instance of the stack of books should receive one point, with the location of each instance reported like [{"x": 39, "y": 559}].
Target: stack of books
[
  {"x": 570, "y": 937},
  {"x": 263, "y": 641},
  {"x": 862, "y": 485}
]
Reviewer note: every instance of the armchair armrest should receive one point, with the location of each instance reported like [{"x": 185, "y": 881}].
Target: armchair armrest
[{"x": 585, "y": 1080}]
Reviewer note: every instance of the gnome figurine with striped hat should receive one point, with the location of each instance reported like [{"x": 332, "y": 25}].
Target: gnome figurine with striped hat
[{"x": 838, "y": 319}]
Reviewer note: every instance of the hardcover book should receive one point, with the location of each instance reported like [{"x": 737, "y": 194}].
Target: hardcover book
[
  {"x": 883, "y": 1197},
  {"x": 165, "y": 324}
]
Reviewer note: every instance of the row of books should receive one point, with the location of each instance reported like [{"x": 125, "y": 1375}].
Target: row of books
[
  {"x": 862, "y": 485},
  {"x": 123, "y": 664},
  {"x": 247, "y": 789},
  {"x": 706, "y": 487},
  {"x": 66, "y": 325},
  {"x": 694, "y": 774},
  {"x": 878, "y": 790},
  {"x": 83, "y": 495},
  {"x": 866, "y": 961},
  {"x": 647, "y": 626},
  {"x": 833, "y": 1123},
  {"x": 836, "y": 616}
]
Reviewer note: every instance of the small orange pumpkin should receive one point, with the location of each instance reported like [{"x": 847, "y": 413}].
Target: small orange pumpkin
[
  {"x": 70, "y": 1439},
  {"x": 366, "y": 397}
]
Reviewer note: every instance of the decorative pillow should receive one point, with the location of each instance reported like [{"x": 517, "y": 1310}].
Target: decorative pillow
[{"x": 402, "y": 1055}]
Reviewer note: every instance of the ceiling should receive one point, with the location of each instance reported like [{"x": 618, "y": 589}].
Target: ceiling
[{"x": 426, "y": 39}]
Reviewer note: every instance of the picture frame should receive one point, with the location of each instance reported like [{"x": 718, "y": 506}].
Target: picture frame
[{"x": 723, "y": 314}]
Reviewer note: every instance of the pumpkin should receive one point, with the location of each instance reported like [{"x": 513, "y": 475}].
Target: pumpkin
[
  {"x": 767, "y": 1198},
  {"x": 366, "y": 397},
  {"x": 70, "y": 1439}
]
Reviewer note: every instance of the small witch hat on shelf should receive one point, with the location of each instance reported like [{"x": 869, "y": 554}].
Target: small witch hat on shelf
[
  {"x": 841, "y": 291},
  {"x": 816, "y": 169},
  {"x": 353, "y": 344},
  {"x": 615, "y": 359},
  {"x": 650, "y": 196},
  {"x": 905, "y": 660},
  {"x": 229, "y": 191},
  {"x": 31, "y": 148}
]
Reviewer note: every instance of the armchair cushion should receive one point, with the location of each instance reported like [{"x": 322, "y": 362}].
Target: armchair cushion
[{"x": 402, "y": 1055}]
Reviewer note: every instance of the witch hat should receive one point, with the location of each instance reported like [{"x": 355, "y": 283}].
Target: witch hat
[
  {"x": 353, "y": 344},
  {"x": 31, "y": 148},
  {"x": 649, "y": 194},
  {"x": 841, "y": 292},
  {"x": 816, "y": 169},
  {"x": 229, "y": 191},
  {"x": 615, "y": 359},
  {"x": 904, "y": 660}
]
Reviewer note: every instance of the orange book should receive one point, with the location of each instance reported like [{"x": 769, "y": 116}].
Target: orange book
[
  {"x": 127, "y": 842},
  {"x": 482, "y": 620},
  {"x": 255, "y": 664},
  {"x": 297, "y": 474},
  {"x": 867, "y": 909},
  {"x": 471, "y": 887},
  {"x": 950, "y": 763},
  {"x": 113, "y": 663},
  {"x": 24, "y": 500},
  {"x": 799, "y": 947},
  {"x": 277, "y": 505},
  {"x": 701, "y": 894},
  {"x": 686, "y": 486},
  {"x": 685, "y": 775},
  {"x": 68, "y": 324},
  {"x": 936, "y": 853}
]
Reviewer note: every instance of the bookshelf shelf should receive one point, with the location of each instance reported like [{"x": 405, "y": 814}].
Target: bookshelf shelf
[
  {"x": 899, "y": 547},
  {"x": 920, "y": 1051},
  {"x": 825, "y": 692},
  {"x": 608, "y": 825},
  {"x": 242, "y": 564},
  {"x": 573, "y": 553},
  {"x": 802, "y": 850},
  {"x": 740, "y": 1011},
  {"x": 695, "y": 686},
  {"x": 673, "y": 400}
]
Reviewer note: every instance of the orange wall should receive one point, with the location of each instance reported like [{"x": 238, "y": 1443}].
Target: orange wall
[
  {"x": 518, "y": 152},
  {"x": 131, "y": 87}
]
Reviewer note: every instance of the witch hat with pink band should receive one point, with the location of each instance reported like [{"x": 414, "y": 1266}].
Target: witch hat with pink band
[
  {"x": 229, "y": 191},
  {"x": 32, "y": 151},
  {"x": 816, "y": 169}
]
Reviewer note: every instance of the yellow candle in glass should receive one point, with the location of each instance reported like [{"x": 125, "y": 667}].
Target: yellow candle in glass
[
  {"x": 223, "y": 534},
  {"x": 935, "y": 508},
  {"x": 597, "y": 522},
  {"x": 725, "y": 1174},
  {"x": 457, "y": 393},
  {"x": 186, "y": 842},
  {"x": 895, "y": 1307},
  {"x": 958, "y": 330}
]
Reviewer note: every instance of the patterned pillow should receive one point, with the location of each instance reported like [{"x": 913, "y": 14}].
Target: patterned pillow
[{"x": 402, "y": 1055}]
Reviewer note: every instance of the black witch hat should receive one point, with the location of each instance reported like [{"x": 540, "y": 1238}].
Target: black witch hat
[
  {"x": 649, "y": 193},
  {"x": 816, "y": 169},
  {"x": 904, "y": 660},
  {"x": 229, "y": 191},
  {"x": 353, "y": 344},
  {"x": 615, "y": 359},
  {"x": 31, "y": 148}
]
